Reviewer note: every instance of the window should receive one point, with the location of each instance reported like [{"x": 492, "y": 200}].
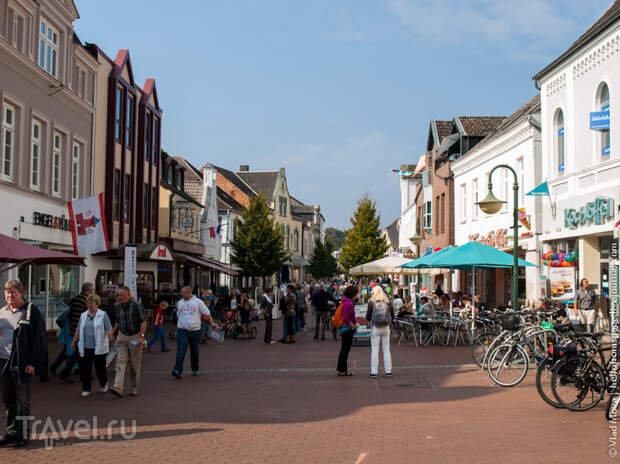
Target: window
[
  {"x": 296, "y": 240},
  {"x": 179, "y": 179},
  {"x": 129, "y": 122},
  {"x": 442, "y": 214},
  {"x": 118, "y": 113},
  {"x": 57, "y": 164},
  {"x": 282, "y": 206},
  {"x": 428, "y": 218},
  {"x": 155, "y": 135},
  {"x": 153, "y": 207},
  {"x": 8, "y": 140},
  {"x": 288, "y": 237},
  {"x": 81, "y": 83},
  {"x": 127, "y": 196},
  {"x": 48, "y": 49},
  {"x": 603, "y": 105},
  {"x": 474, "y": 194},
  {"x": 147, "y": 135},
  {"x": 437, "y": 215},
  {"x": 116, "y": 194},
  {"x": 75, "y": 172},
  {"x": 464, "y": 203},
  {"x": 170, "y": 174},
  {"x": 559, "y": 141},
  {"x": 35, "y": 155},
  {"x": 15, "y": 35}
]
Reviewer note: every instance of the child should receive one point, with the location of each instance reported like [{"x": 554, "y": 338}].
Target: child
[{"x": 158, "y": 323}]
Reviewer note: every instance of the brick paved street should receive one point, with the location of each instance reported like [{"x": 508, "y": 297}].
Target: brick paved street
[{"x": 257, "y": 403}]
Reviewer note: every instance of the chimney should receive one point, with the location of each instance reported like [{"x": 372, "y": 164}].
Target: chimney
[{"x": 244, "y": 168}]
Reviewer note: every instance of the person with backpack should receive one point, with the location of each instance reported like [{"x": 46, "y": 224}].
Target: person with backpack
[{"x": 381, "y": 314}]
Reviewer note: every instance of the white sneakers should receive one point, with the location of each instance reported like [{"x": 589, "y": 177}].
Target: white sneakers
[{"x": 85, "y": 394}]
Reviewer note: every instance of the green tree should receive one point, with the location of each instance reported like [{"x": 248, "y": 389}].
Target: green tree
[
  {"x": 363, "y": 241},
  {"x": 323, "y": 264},
  {"x": 336, "y": 236},
  {"x": 257, "y": 247}
]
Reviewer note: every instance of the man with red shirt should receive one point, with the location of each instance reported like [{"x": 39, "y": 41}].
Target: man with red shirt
[{"x": 158, "y": 323}]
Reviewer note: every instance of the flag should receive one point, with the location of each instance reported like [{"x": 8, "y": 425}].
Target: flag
[
  {"x": 403, "y": 173},
  {"x": 218, "y": 231},
  {"x": 523, "y": 218},
  {"x": 541, "y": 191},
  {"x": 212, "y": 232},
  {"x": 88, "y": 227}
]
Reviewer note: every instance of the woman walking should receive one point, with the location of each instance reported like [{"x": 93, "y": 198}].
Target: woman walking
[
  {"x": 347, "y": 330},
  {"x": 93, "y": 336},
  {"x": 381, "y": 314},
  {"x": 266, "y": 306}
]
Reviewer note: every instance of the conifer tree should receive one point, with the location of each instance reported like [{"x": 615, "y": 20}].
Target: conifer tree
[
  {"x": 258, "y": 248},
  {"x": 364, "y": 241},
  {"x": 323, "y": 264}
]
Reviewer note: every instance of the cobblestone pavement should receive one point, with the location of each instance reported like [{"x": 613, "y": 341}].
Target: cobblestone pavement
[{"x": 257, "y": 403}]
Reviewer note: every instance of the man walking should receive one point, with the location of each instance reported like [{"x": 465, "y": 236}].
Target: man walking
[
  {"x": 321, "y": 303},
  {"x": 189, "y": 310},
  {"x": 76, "y": 307},
  {"x": 23, "y": 349},
  {"x": 585, "y": 305},
  {"x": 129, "y": 334}
]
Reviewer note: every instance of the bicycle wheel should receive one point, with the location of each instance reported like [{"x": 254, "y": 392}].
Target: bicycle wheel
[
  {"x": 544, "y": 373},
  {"x": 575, "y": 387},
  {"x": 611, "y": 412},
  {"x": 507, "y": 365},
  {"x": 479, "y": 348}
]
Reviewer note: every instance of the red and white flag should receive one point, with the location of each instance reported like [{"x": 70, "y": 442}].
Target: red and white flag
[{"x": 88, "y": 227}]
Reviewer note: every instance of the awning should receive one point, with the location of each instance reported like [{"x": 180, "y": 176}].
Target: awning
[
  {"x": 447, "y": 142},
  {"x": 19, "y": 253},
  {"x": 203, "y": 262}
]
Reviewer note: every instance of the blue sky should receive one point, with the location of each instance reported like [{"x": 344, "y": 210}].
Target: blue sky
[{"x": 337, "y": 92}]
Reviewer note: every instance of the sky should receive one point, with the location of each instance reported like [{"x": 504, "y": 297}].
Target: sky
[{"x": 338, "y": 92}]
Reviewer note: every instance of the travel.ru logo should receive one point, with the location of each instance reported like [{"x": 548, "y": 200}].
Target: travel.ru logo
[{"x": 78, "y": 432}]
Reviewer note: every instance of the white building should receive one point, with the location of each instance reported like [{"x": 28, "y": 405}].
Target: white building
[
  {"x": 581, "y": 162},
  {"x": 408, "y": 218},
  {"x": 516, "y": 143}
]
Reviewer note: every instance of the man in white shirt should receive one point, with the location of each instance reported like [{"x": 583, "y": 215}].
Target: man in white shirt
[
  {"x": 189, "y": 310},
  {"x": 397, "y": 303}
]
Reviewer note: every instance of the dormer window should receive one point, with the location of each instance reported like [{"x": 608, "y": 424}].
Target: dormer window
[
  {"x": 48, "y": 48},
  {"x": 170, "y": 178},
  {"x": 180, "y": 179}
]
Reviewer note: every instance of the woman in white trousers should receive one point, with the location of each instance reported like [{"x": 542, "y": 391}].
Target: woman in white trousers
[{"x": 380, "y": 314}]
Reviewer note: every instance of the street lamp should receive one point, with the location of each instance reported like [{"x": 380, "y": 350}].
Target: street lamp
[
  {"x": 416, "y": 239},
  {"x": 491, "y": 205}
]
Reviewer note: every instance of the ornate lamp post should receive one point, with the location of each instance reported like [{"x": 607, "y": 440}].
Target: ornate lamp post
[
  {"x": 416, "y": 240},
  {"x": 492, "y": 205}
]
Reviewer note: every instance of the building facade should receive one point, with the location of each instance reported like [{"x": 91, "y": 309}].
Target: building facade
[
  {"x": 48, "y": 82},
  {"x": 579, "y": 92}
]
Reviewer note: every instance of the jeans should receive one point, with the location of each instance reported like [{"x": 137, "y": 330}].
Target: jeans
[
  {"x": 347, "y": 342},
  {"x": 320, "y": 319},
  {"x": 380, "y": 335},
  {"x": 86, "y": 366},
  {"x": 268, "y": 328},
  {"x": 16, "y": 396},
  {"x": 187, "y": 338},
  {"x": 159, "y": 335}
]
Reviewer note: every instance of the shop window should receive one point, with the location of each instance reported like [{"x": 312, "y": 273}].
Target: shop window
[{"x": 559, "y": 141}]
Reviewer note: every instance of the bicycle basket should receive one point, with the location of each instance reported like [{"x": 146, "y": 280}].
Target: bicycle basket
[{"x": 510, "y": 322}]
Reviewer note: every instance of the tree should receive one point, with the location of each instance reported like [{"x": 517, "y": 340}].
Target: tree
[
  {"x": 336, "y": 236},
  {"x": 257, "y": 247},
  {"x": 364, "y": 241},
  {"x": 323, "y": 264}
]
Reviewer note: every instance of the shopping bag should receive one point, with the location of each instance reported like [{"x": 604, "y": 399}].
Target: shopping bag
[{"x": 217, "y": 335}]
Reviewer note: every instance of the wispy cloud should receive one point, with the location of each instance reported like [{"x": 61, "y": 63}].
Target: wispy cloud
[{"x": 522, "y": 27}]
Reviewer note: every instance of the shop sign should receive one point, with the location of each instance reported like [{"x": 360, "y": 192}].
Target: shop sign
[
  {"x": 592, "y": 212},
  {"x": 187, "y": 222},
  {"x": 599, "y": 120},
  {"x": 53, "y": 222},
  {"x": 495, "y": 239},
  {"x": 161, "y": 253},
  {"x": 130, "y": 268}
]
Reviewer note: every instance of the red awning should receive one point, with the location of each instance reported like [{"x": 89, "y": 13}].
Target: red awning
[
  {"x": 206, "y": 263},
  {"x": 17, "y": 252}
]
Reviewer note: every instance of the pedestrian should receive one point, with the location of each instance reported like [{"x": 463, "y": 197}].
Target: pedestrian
[
  {"x": 266, "y": 306},
  {"x": 64, "y": 339},
  {"x": 321, "y": 303},
  {"x": 110, "y": 309},
  {"x": 23, "y": 352},
  {"x": 189, "y": 309},
  {"x": 300, "y": 308},
  {"x": 158, "y": 325},
  {"x": 380, "y": 313},
  {"x": 209, "y": 300},
  {"x": 245, "y": 307},
  {"x": 585, "y": 305},
  {"x": 347, "y": 331},
  {"x": 77, "y": 306},
  {"x": 291, "y": 313},
  {"x": 129, "y": 333},
  {"x": 92, "y": 337}
]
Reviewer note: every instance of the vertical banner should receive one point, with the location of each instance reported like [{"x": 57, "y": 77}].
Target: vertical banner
[
  {"x": 88, "y": 227},
  {"x": 130, "y": 270}
]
